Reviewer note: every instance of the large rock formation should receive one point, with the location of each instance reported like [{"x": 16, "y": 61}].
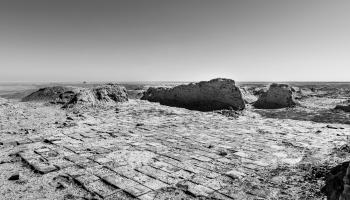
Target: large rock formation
[
  {"x": 71, "y": 96},
  {"x": 210, "y": 95},
  {"x": 277, "y": 96},
  {"x": 104, "y": 94},
  {"x": 337, "y": 183}
]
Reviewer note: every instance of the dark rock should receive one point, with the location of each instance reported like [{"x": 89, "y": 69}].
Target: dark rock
[
  {"x": 14, "y": 177},
  {"x": 277, "y": 96},
  {"x": 335, "y": 179},
  {"x": 210, "y": 95},
  {"x": 345, "y": 108}
]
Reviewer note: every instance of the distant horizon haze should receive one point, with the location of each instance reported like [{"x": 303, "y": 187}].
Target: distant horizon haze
[{"x": 167, "y": 40}]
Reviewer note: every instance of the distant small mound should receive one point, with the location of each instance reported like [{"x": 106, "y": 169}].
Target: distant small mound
[
  {"x": 277, "y": 96},
  {"x": 71, "y": 96},
  {"x": 210, "y": 95}
]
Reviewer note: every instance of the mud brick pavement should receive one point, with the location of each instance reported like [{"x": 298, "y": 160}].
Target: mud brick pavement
[{"x": 145, "y": 147}]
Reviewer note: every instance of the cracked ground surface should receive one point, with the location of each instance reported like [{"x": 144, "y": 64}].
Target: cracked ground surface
[{"x": 143, "y": 150}]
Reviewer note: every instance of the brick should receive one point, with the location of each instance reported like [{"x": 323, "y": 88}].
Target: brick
[
  {"x": 77, "y": 159},
  {"x": 49, "y": 154},
  {"x": 100, "y": 188},
  {"x": 99, "y": 171},
  {"x": 201, "y": 158},
  {"x": 75, "y": 171},
  {"x": 195, "y": 189},
  {"x": 158, "y": 174},
  {"x": 42, "y": 167},
  {"x": 183, "y": 174},
  {"x": 87, "y": 164},
  {"x": 140, "y": 178},
  {"x": 216, "y": 195},
  {"x": 119, "y": 195},
  {"x": 28, "y": 155},
  {"x": 61, "y": 163},
  {"x": 148, "y": 196},
  {"x": 24, "y": 141},
  {"x": 215, "y": 184},
  {"x": 165, "y": 166},
  {"x": 126, "y": 184},
  {"x": 86, "y": 179}
]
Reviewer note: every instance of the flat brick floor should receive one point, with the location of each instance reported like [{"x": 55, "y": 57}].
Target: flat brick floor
[{"x": 142, "y": 148}]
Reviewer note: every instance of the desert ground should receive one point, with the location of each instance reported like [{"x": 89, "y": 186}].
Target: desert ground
[{"x": 144, "y": 150}]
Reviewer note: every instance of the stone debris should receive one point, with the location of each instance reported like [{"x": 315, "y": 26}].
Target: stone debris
[{"x": 215, "y": 94}]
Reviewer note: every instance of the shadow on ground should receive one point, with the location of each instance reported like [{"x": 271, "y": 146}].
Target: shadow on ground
[{"x": 302, "y": 114}]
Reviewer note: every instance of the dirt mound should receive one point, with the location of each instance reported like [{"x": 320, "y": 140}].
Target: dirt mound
[
  {"x": 277, "y": 96},
  {"x": 71, "y": 96},
  {"x": 210, "y": 95},
  {"x": 56, "y": 94}
]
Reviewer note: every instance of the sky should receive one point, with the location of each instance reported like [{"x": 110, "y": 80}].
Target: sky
[{"x": 174, "y": 40}]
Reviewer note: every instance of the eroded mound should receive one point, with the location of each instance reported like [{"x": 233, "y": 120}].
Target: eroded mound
[
  {"x": 277, "y": 96},
  {"x": 56, "y": 94},
  {"x": 71, "y": 96},
  {"x": 210, "y": 95}
]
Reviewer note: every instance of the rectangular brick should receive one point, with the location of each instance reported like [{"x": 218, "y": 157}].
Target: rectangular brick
[
  {"x": 42, "y": 167},
  {"x": 158, "y": 174},
  {"x": 86, "y": 179},
  {"x": 140, "y": 178},
  {"x": 99, "y": 171},
  {"x": 165, "y": 166},
  {"x": 61, "y": 163},
  {"x": 196, "y": 189},
  {"x": 100, "y": 188},
  {"x": 126, "y": 184},
  {"x": 74, "y": 171}
]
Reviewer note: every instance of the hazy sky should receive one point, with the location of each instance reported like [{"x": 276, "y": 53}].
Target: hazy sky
[{"x": 189, "y": 40}]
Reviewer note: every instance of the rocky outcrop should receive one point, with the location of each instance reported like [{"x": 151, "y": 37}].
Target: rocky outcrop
[
  {"x": 210, "y": 95},
  {"x": 277, "y": 96},
  {"x": 337, "y": 183},
  {"x": 71, "y": 96}
]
